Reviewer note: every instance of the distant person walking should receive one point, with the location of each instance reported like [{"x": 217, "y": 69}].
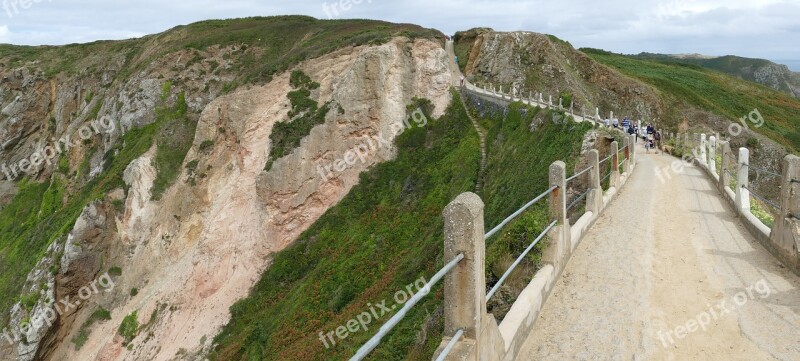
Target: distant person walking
[
  {"x": 626, "y": 124},
  {"x": 462, "y": 81},
  {"x": 608, "y": 123},
  {"x": 616, "y": 122}
]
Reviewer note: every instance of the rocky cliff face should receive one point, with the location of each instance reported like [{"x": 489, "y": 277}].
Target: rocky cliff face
[
  {"x": 533, "y": 63},
  {"x": 184, "y": 259}
]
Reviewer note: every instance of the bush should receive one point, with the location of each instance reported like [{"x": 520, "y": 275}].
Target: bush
[{"x": 129, "y": 327}]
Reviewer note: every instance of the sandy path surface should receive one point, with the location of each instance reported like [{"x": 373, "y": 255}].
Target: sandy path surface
[{"x": 668, "y": 273}]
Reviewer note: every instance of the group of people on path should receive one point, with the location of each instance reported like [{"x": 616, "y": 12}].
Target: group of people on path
[{"x": 651, "y": 136}]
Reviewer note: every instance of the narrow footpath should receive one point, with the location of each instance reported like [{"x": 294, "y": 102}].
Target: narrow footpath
[{"x": 669, "y": 273}]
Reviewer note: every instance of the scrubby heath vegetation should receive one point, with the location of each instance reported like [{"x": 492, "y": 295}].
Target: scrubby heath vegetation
[
  {"x": 304, "y": 116},
  {"x": 687, "y": 85},
  {"x": 387, "y": 233},
  {"x": 265, "y": 46}
]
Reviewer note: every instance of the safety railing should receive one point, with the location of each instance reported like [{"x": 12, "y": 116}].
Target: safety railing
[
  {"x": 389, "y": 325},
  {"x": 459, "y": 333},
  {"x": 762, "y": 198}
]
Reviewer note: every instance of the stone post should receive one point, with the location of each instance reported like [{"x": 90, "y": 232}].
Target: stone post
[
  {"x": 560, "y": 234},
  {"x": 786, "y": 231},
  {"x": 712, "y": 155},
  {"x": 742, "y": 194},
  {"x": 550, "y": 100},
  {"x": 465, "y": 285},
  {"x": 632, "y": 142},
  {"x": 597, "y": 114},
  {"x": 626, "y": 162},
  {"x": 594, "y": 200},
  {"x": 614, "y": 165},
  {"x": 724, "y": 178},
  {"x": 541, "y": 98},
  {"x": 703, "y": 147}
]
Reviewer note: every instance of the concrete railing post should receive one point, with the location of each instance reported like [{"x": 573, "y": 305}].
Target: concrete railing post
[
  {"x": 742, "y": 194},
  {"x": 724, "y": 178},
  {"x": 594, "y": 200},
  {"x": 712, "y": 155},
  {"x": 703, "y": 147},
  {"x": 614, "y": 164},
  {"x": 560, "y": 234},
  {"x": 632, "y": 142},
  {"x": 465, "y": 286},
  {"x": 786, "y": 231},
  {"x": 626, "y": 161}
]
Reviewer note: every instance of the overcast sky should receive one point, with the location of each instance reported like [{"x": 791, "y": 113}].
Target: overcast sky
[{"x": 753, "y": 28}]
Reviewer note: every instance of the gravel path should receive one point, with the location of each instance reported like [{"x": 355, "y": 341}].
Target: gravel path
[{"x": 666, "y": 255}]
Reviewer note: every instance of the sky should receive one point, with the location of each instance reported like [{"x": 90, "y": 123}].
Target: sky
[{"x": 767, "y": 29}]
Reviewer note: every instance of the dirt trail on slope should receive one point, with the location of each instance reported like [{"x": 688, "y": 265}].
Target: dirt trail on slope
[
  {"x": 456, "y": 76},
  {"x": 661, "y": 255}
]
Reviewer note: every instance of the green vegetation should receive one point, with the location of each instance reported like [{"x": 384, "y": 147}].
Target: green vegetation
[
  {"x": 129, "y": 327},
  {"x": 758, "y": 209},
  {"x": 263, "y": 46},
  {"x": 386, "y": 233},
  {"x": 115, "y": 271},
  {"x": 716, "y": 92},
  {"x": 101, "y": 314},
  {"x": 744, "y": 68},
  {"x": 305, "y": 114},
  {"x": 174, "y": 139}
]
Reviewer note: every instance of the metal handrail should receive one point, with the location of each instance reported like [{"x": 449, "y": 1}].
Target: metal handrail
[
  {"x": 607, "y": 176},
  {"x": 389, "y": 325},
  {"x": 518, "y": 212},
  {"x": 578, "y": 200},
  {"x": 519, "y": 259},
  {"x": 759, "y": 197},
  {"x": 579, "y": 174},
  {"x": 450, "y": 345},
  {"x": 607, "y": 158}
]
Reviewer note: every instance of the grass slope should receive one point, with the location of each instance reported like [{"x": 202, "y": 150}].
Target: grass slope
[
  {"x": 715, "y": 92},
  {"x": 279, "y": 43},
  {"x": 386, "y": 234}
]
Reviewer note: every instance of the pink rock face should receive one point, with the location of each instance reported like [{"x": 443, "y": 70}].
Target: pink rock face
[{"x": 201, "y": 248}]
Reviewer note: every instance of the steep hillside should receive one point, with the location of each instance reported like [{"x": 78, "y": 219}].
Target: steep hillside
[
  {"x": 532, "y": 63},
  {"x": 761, "y": 71},
  {"x": 387, "y": 234},
  {"x": 150, "y": 162},
  {"x": 724, "y": 96}
]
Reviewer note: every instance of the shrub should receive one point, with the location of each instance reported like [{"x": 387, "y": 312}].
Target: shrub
[{"x": 129, "y": 327}]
